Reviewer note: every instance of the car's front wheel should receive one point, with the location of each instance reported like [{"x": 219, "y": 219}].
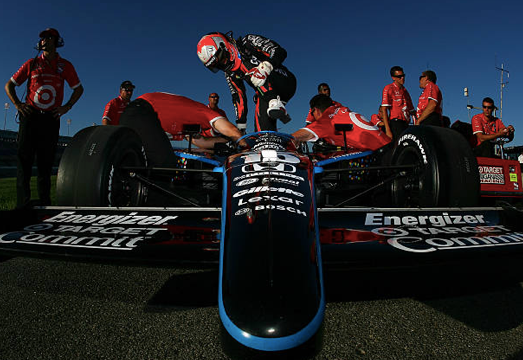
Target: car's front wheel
[
  {"x": 94, "y": 170},
  {"x": 444, "y": 172}
]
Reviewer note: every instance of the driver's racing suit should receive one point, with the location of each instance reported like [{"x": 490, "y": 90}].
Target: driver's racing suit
[{"x": 254, "y": 49}]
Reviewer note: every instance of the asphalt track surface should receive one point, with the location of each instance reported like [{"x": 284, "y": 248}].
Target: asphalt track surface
[{"x": 60, "y": 310}]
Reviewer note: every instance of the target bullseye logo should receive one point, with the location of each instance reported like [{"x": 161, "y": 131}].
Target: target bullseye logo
[{"x": 45, "y": 96}]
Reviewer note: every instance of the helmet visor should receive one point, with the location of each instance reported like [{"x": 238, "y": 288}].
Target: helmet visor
[{"x": 220, "y": 60}]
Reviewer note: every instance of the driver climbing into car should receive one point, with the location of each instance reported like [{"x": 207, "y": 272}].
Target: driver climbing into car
[
  {"x": 363, "y": 136},
  {"x": 259, "y": 62},
  {"x": 487, "y": 128},
  {"x": 153, "y": 115}
]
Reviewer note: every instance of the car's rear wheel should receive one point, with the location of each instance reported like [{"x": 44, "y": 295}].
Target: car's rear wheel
[
  {"x": 445, "y": 171},
  {"x": 93, "y": 170}
]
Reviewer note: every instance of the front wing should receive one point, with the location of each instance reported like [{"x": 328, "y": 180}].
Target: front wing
[{"x": 350, "y": 237}]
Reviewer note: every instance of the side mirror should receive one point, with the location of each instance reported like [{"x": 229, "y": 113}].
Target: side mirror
[
  {"x": 188, "y": 129},
  {"x": 344, "y": 128},
  {"x": 191, "y": 130}
]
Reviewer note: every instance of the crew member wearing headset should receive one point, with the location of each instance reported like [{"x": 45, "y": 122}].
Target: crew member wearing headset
[
  {"x": 259, "y": 62},
  {"x": 40, "y": 113}
]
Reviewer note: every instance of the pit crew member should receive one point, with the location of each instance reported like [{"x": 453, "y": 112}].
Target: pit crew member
[
  {"x": 152, "y": 115},
  {"x": 40, "y": 113},
  {"x": 364, "y": 135},
  {"x": 487, "y": 127},
  {"x": 430, "y": 103},
  {"x": 323, "y": 88},
  {"x": 114, "y": 108},
  {"x": 214, "y": 99},
  {"x": 259, "y": 62},
  {"x": 396, "y": 105}
]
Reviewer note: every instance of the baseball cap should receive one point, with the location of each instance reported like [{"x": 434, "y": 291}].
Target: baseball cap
[
  {"x": 127, "y": 84},
  {"x": 49, "y": 32}
]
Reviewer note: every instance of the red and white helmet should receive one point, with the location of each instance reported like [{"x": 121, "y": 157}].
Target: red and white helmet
[{"x": 217, "y": 52}]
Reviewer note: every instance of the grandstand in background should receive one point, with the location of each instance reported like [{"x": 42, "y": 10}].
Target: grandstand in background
[{"x": 8, "y": 152}]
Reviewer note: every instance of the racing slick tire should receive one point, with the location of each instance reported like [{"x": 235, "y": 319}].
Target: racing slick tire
[
  {"x": 90, "y": 171},
  {"x": 446, "y": 174}
]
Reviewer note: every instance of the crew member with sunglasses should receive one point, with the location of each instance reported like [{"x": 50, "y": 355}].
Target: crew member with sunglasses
[
  {"x": 487, "y": 127},
  {"x": 396, "y": 105},
  {"x": 430, "y": 102},
  {"x": 214, "y": 99},
  {"x": 40, "y": 113},
  {"x": 115, "y": 107},
  {"x": 259, "y": 62}
]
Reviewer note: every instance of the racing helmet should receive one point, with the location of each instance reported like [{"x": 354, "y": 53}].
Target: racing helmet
[{"x": 217, "y": 51}]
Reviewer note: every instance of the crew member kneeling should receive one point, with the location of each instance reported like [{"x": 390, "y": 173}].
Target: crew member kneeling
[
  {"x": 155, "y": 115},
  {"x": 364, "y": 135}
]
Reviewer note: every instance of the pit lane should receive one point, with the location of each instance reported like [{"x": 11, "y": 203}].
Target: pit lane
[{"x": 60, "y": 310}]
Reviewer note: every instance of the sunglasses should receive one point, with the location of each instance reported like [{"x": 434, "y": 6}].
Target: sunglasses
[
  {"x": 488, "y": 107},
  {"x": 128, "y": 90},
  {"x": 214, "y": 97},
  {"x": 422, "y": 76},
  {"x": 399, "y": 76}
]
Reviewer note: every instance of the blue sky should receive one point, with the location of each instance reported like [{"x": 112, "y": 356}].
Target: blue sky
[{"x": 350, "y": 45}]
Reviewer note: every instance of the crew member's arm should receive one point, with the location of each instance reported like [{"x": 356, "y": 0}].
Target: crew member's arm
[
  {"x": 386, "y": 104},
  {"x": 384, "y": 114},
  {"x": 208, "y": 143},
  {"x": 501, "y": 133},
  {"x": 302, "y": 135},
  {"x": 431, "y": 107},
  {"x": 23, "y": 108},
  {"x": 226, "y": 129},
  {"x": 109, "y": 111},
  {"x": 77, "y": 93}
]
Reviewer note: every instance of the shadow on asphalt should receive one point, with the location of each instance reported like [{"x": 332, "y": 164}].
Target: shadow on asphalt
[
  {"x": 190, "y": 290},
  {"x": 487, "y": 302}
]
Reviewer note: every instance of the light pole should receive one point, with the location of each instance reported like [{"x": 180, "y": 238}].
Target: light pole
[
  {"x": 68, "y": 125},
  {"x": 466, "y": 94},
  {"x": 6, "y": 106},
  {"x": 503, "y": 71}
]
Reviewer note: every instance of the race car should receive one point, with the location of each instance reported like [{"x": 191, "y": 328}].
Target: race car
[{"x": 271, "y": 217}]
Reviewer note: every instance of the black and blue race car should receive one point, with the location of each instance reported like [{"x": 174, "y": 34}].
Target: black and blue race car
[{"x": 271, "y": 216}]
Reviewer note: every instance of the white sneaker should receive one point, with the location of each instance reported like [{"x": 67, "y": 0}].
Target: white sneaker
[{"x": 276, "y": 110}]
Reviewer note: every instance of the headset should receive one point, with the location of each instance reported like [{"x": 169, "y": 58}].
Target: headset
[{"x": 59, "y": 43}]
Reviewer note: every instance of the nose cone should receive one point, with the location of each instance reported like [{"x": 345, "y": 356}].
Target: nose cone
[{"x": 271, "y": 295}]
